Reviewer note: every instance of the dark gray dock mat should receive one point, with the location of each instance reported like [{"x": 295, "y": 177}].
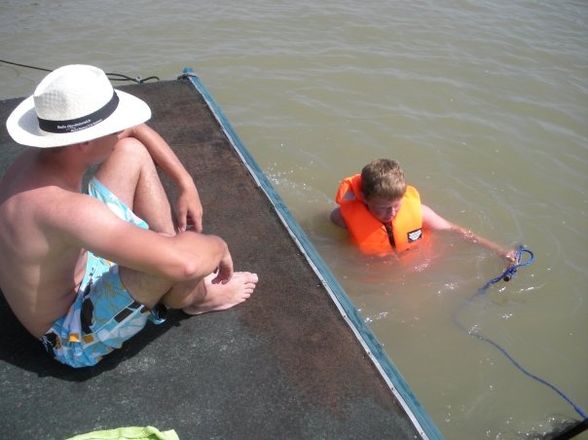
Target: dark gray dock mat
[{"x": 283, "y": 365}]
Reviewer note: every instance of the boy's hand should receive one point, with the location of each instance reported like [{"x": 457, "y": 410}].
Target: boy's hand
[{"x": 510, "y": 256}]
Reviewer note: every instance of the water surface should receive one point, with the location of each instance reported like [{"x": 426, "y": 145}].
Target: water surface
[{"x": 485, "y": 105}]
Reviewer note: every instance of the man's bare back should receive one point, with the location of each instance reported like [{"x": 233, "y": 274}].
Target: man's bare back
[{"x": 39, "y": 269}]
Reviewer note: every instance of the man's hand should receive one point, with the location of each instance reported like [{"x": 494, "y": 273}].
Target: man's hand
[
  {"x": 189, "y": 210},
  {"x": 225, "y": 269}
]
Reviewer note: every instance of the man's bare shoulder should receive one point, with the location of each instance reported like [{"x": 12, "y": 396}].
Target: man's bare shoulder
[
  {"x": 16, "y": 199},
  {"x": 25, "y": 180},
  {"x": 31, "y": 191}
]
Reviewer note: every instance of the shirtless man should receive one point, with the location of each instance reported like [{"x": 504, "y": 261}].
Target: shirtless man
[{"x": 83, "y": 272}]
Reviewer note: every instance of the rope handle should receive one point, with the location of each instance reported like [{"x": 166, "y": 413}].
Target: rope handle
[{"x": 511, "y": 270}]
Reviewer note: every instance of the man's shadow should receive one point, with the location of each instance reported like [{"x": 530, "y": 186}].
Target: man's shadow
[{"x": 19, "y": 349}]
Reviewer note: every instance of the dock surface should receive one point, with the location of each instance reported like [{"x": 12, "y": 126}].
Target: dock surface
[{"x": 283, "y": 365}]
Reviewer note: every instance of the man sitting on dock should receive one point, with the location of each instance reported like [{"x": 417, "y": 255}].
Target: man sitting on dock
[{"x": 84, "y": 273}]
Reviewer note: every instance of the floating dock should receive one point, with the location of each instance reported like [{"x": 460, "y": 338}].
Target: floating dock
[{"x": 295, "y": 361}]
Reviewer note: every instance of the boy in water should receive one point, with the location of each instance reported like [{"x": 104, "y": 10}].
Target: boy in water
[
  {"x": 84, "y": 273},
  {"x": 383, "y": 214}
]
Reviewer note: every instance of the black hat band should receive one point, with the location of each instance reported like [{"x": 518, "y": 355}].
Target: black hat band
[{"x": 71, "y": 125}]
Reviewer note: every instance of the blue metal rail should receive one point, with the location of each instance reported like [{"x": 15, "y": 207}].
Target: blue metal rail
[{"x": 372, "y": 346}]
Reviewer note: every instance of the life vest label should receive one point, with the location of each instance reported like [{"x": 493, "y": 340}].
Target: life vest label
[{"x": 414, "y": 235}]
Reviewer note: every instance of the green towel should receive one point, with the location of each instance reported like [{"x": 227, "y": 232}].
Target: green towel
[{"x": 129, "y": 433}]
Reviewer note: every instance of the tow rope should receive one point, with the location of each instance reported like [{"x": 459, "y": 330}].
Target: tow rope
[
  {"x": 111, "y": 76},
  {"x": 523, "y": 258}
]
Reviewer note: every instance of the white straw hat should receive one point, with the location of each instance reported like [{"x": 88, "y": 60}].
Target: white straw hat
[{"x": 73, "y": 104}]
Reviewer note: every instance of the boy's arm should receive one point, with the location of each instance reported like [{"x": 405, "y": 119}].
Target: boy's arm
[
  {"x": 337, "y": 218},
  {"x": 188, "y": 206},
  {"x": 432, "y": 220}
]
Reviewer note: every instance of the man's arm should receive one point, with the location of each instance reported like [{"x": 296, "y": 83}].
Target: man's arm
[
  {"x": 188, "y": 206},
  {"x": 84, "y": 222},
  {"x": 434, "y": 221}
]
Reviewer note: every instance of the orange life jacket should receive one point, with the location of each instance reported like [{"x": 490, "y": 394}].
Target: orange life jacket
[{"x": 367, "y": 232}]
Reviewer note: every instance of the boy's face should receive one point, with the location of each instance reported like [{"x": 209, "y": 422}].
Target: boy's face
[{"x": 383, "y": 209}]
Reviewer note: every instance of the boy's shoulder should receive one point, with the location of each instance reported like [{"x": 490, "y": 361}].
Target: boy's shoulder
[{"x": 349, "y": 189}]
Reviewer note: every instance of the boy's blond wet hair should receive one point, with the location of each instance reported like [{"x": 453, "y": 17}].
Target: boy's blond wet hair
[{"x": 383, "y": 178}]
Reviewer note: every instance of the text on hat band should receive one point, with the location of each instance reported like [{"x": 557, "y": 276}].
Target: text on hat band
[{"x": 82, "y": 123}]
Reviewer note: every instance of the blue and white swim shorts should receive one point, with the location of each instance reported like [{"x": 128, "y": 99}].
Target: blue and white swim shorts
[{"x": 103, "y": 315}]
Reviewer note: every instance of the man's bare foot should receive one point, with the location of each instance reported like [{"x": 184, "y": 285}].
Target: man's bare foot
[{"x": 223, "y": 296}]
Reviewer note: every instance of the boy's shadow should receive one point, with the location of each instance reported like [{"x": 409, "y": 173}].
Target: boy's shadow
[{"x": 19, "y": 349}]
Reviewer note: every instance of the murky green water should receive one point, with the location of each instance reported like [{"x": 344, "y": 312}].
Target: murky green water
[{"x": 485, "y": 104}]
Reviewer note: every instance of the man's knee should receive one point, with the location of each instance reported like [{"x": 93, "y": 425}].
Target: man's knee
[
  {"x": 133, "y": 148},
  {"x": 129, "y": 156}
]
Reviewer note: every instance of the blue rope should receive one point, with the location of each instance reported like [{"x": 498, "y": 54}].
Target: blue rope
[
  {"x": 511, "y": 270},
  {"x": 508, "y": 275}
]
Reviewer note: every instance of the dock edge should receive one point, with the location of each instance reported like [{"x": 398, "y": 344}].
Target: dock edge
[{"x": 413, "y": 408}]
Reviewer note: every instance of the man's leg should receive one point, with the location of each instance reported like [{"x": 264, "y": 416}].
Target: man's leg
[
  {"x": 194, "y": 297},
  {"x": 215, "y": 297},
  {"x": 130, "y": 174}
]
